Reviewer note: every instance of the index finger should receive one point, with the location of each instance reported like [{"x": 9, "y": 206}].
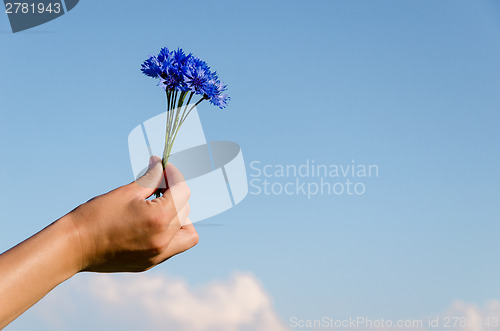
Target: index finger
[
  {"x": 173, "y": 175},
  {"x": 177, "y": 190}
]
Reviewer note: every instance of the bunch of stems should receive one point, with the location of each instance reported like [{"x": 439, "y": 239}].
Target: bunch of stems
[{"x": 177, "y": 112}]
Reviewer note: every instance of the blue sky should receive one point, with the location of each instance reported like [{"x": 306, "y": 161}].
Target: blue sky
[{"x": 411, "y": 86}]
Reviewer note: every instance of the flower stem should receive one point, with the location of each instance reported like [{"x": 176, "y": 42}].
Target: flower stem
[
  {"x": 196, "y": 104},
  {"x": 175, "y": 121},
  {"x": 182, "y": 120}
]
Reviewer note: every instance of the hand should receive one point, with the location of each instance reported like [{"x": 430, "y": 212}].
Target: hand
[
  {"x": 117, "y": 231},
  {"x": 122, "y": 231}
]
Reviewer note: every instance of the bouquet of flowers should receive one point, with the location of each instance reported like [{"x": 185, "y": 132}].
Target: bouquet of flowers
[{"x": 183, "y": 76}]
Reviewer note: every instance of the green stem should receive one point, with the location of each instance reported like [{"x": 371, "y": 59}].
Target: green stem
[
  {"x": 181, "y": 99},
  {"x": 196, "y": 104},
  {"x": 173, "y": 126},
  {"x": 187, "y": 103},
  {"x": 167, "y": 131},
  {"x": 170, "y": 97},
  {"x": 182, "y": 121}
]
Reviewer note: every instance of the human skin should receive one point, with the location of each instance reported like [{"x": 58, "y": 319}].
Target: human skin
[{"x": 119, "y": 231}]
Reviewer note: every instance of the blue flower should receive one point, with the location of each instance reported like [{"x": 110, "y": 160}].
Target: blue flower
[
  {"x": 195, "y": 62},
  {"x": 214, "y": 87},
  {"x": 196, "y": 79},
  {"x": 164, "y": 54},
  {"x": 151, "y": 67},
  {"x": 210, "y": 89},
  {"x": 220, "y": 100},
  {"x": 170, "y": 82},
  {"x": 178, "y": 71},
  {"x": 166, "y": 67},
  {"x": 181, "y": 58}
]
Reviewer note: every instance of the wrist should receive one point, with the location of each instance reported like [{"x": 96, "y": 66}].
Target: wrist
[{"x": 70, "y": 233}]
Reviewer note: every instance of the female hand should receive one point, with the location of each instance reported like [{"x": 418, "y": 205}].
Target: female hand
[
  {"x": 122, "y": 231},
  {"x": 117, "y": 231}
]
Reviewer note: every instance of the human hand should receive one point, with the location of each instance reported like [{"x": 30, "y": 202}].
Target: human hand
[
  {"x": 121, "y": 231},
  {"x": 117, "y": 231}
]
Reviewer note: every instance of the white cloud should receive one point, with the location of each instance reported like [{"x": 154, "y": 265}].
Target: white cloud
[{"x": 155, "y": 302}]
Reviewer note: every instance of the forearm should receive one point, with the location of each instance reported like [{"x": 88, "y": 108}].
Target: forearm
[{"x": 31, "y": 269}]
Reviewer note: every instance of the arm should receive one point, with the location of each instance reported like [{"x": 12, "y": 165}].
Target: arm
[{"x": 116, "y": 232}]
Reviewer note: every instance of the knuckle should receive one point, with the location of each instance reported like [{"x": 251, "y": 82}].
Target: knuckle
[
  {"x": 177, "y": 198},
  {"x": 157, "y": 246},
  {"x": 195, "y": 238},
  {"x": 156, "y": 221},
  {"x": 184, "y": 189}
]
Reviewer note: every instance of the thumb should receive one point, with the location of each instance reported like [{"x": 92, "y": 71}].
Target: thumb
[{"x": 152, "y": 179}]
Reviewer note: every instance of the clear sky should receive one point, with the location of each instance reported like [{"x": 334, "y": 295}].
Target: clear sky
[{"x": 409, "y": 86}]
